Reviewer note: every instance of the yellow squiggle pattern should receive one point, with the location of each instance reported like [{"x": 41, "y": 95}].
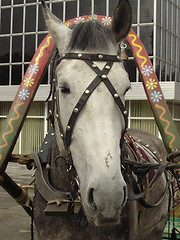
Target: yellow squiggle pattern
[
  {"x": 11, "y": 126},
  {"x": 41, "y": 50},
  {"x": 167, "y": 126},
  {"x": 140, "y": 49}
]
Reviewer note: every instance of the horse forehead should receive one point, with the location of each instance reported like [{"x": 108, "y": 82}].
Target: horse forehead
[
  {"x": 72, "y": 68},
  {"x": 78, "y": 68}
]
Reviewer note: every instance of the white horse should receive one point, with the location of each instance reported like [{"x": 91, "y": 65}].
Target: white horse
[{"x": 94, "y": 136}]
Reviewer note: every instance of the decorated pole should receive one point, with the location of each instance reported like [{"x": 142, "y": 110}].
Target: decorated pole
[
  {"x": 156, "y": 99},
  {"x": 23, "y": 99}
]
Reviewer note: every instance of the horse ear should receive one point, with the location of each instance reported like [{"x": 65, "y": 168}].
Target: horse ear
[
  {"x": 59, "y": 31},
  {"x": 121, "y": 21}
]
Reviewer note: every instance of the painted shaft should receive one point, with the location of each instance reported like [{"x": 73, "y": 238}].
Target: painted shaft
[
  {"x": 23, "y": 99},
  {"x": 156, "y": 98}
]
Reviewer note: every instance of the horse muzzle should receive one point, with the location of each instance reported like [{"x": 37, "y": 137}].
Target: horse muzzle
[{"x": 103, "y": 206}]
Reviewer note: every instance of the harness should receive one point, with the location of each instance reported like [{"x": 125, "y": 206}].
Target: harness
[
  {"x": 60, "y": 202},
  {"x": 64, "y": 200},
  {"x": 102, "y": 76}
]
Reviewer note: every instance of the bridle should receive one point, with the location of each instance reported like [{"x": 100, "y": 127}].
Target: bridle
[
  {"x": 64, "y": 140},
  {"x": 102, "y": 76}
]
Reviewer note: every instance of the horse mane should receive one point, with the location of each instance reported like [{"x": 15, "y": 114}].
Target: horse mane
[{"x": 91, "y": 35}]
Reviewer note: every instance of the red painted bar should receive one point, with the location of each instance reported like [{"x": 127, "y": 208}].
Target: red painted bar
[
  {"x": 154, "y": 93},
  {"x": 156, "y": 98},
  {"x": 23, "y": 99}
]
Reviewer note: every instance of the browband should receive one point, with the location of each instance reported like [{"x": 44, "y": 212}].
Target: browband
[{"x": 92, "y": 57}]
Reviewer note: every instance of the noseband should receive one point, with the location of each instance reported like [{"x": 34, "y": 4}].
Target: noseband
[{"x": 101, "y": 77}]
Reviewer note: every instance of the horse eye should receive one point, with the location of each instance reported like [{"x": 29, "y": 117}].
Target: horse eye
[{"x": 65, "y": 90}]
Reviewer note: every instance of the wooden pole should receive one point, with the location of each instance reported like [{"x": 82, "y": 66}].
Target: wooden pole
[
  {"x": 20, "y": 107},
  {"x": 156, "y": 99}
]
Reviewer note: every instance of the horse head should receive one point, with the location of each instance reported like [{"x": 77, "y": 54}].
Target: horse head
[{"x": 99, "y": 126}]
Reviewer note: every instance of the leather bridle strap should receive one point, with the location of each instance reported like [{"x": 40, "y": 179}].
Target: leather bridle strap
[
  {"x": 111, "y": 88},
  {"x": 83, "y": 99},
  {"x": 101, "y": 77},
  {"x": 92, "y": 57}
]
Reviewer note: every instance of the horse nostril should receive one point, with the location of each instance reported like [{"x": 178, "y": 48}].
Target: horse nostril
[
  {"x": 125, "y": 195},
  {"x": 91, "y": 199},
  {"x": 90, "y": 196}
]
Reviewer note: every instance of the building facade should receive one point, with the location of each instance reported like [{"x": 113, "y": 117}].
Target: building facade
[{"x": 22, "y": 28}]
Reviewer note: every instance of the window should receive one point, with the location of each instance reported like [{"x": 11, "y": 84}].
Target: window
[
  {"x": 140, "y": 116},
  {"x": 168, "y": 39},
  {"x": 100, "y": 7},
  {"x": 5, "y": 21},
  {"x": 146, "y": 11},
  {"x": 34, "y": 128},
  {"x": 22, "y": 29}
]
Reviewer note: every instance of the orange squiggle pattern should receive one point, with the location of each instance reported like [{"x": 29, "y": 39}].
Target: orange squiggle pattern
[
  {"x": 140, "y": 49},
  {"x": 167, "y": 126},
  {"x": 11, "y": 127},
  {"x": 41, "y": 50}
]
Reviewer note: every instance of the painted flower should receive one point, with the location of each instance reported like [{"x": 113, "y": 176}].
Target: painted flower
[
  {"x": 78, "y": 20},
  {"x": 106, "y": 21},
  {"x": 24, "y": 94},
  {"x": 33, "y": 69},
  {"x": 90, "y": 18},
  {"x": 147, "y": 70},
  {"x": 28, "y": 82},
  {"x": 68, "y": 24},
  {"x": 156, "y": 96},
  {"x": 151, "y": 84}
]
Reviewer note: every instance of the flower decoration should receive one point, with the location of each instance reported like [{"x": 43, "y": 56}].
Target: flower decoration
[
  {"x": 147, "y": 70},
  {"x": 33, "y": 69},
  {"x": 28, "y": 82},
  {"x": 78, "y": 20},
  {"x": 68, "y": 24},
  {"x": 24, "y": 94},
  {"x": 90, "y": 18},
  {"x": 156, "y": 96},
  {"x": 106, "y": 21},
  {"x": 151, "y": 84}
]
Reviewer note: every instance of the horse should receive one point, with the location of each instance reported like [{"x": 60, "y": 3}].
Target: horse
[{"x": 92, "y": 149}]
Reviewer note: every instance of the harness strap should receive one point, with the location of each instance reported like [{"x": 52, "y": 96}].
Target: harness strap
[
  {"x": 159, "y": 172},
  {"x": 137, "y": 165},
  {"x": 111, "y": 88},
  {"x": 83, "y": 99},
  {"x": 92, "y": 57},
  {"x": 101, "y": 77},
  {"x": 48, "y": 192}
]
